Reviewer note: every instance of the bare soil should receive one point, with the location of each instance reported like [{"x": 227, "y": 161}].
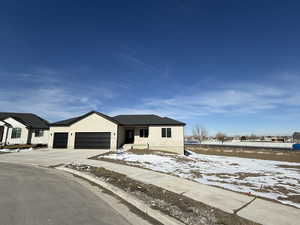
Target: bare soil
[
  {"x": 297, "y": 168},
  {"x": 277, "y": 155},
  {"x": 186, "y": 210},
  {"x": 293, "y": 198},
  {"x": 17, "y": 146}
]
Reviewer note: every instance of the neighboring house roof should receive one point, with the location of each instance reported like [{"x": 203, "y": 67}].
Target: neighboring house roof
[
  {"x": 28, "y": 119},
  {"x": 127, "y": 120},
  {"x": 134, "y": 120},
  {"x": 5, "y": 123},
  {"x": 73, "y": 120}
]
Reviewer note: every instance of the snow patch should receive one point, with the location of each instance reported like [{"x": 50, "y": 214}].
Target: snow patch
[
  {"x": 264, "y": 178},
  {"x": 16, "y": 150}
]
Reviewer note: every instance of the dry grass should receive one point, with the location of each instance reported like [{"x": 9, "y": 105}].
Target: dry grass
[
  {"x": 277, "y": 155},
  {"x": 16, "y": 146},
  {"x": 149, "y": 151},
  {"x": 292, "y": 198}
]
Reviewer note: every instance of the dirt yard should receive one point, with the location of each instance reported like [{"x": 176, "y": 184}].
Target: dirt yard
[
  {"x": 180, "y": 207},
  {"x": 255, "y": 153},
  {"x": 274, "y": 180}
]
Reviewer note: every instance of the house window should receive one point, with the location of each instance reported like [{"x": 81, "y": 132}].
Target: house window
[
  {"x": 166, "y": 132},
  {"x": 39, "y": 133},
  {"x": 16, "y": 133},
  {"x": 144, "y": 132}
]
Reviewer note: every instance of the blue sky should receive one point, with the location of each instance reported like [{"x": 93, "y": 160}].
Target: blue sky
[{"x": 231, "y": 66}]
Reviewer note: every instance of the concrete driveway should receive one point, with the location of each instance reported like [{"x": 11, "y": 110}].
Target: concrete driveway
[
  {"x": 39, "y": 196},
  {"x": 49, "y": 157}
]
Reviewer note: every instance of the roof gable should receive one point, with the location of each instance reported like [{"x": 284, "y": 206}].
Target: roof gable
[
  {"x": 28, "y": 119},
  {"x": 16, "y": 119},
  {"x": 73, "y": 120}
]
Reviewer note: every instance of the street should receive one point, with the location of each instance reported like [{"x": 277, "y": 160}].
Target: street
[{"x": 37, "y": 196}]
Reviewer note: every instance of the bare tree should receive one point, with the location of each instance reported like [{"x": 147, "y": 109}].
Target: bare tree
[
  {"x": 221, "y": 137},
  {"x": 200, "y": 133}
]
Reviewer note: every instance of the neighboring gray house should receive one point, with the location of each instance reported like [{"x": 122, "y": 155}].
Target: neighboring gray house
[
  {"x": 23, "y": 128},
  {"x": 95, "y": 130},
  {"x": 296, "y": 137}
]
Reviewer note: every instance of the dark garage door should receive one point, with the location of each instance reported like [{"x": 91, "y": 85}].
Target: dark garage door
[
  {"x": 60, "y": 140},
  {"x": 92, "y": 140}
]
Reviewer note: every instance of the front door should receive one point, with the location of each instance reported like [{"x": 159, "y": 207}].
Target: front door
[
  {"x": 1, "y": 132},
  {"x": 129, "y": 136}
]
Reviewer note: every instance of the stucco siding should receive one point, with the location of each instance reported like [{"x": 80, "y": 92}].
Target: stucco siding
[
  {"x": 174, "y": 144},
  {"x": 155, "y": 141},
  {"x": 24, "y": 132},
  {"x": 40, "y": 140},
  {"x": 53, "y": 130},
  {"x": 92, "y": 123}
]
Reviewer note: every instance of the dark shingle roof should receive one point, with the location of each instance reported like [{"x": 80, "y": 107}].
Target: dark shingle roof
[
  {"x": 28, "y": 119},
  {"x": 69, "y": 122},
  {"x": 146, "y": 120},
  {"x": 127, "y": 120},
  {"x": 66, "y": 122}
]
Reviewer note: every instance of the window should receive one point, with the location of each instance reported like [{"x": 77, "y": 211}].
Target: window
[
  {"x": 39, "y": 133},
  {"x": 166, "y": 132},
  {"x": 163, "y": 132},
  {"x": 144, "y": 132},
  {"x": 16, "y": 133},
  {"x": 169, "y": 132}
]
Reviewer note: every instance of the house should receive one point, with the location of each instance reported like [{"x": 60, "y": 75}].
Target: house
[
  {"x": 23, "y": 128},
  {"x": 95, "y": 130},
  {"x": 296, "y": 137}
]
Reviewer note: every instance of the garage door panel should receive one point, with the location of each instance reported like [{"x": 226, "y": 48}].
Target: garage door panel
[
  {"x": 60, "y": 140},
  {"x": 92, "y": 140}
]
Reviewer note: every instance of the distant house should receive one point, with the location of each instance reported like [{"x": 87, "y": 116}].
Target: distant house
[
  {"x": 23, "y": 128},
  {"x": 296, "y": 137}
]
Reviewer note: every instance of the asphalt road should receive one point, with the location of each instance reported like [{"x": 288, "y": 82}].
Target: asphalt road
[{"x": 36, "y": 196}]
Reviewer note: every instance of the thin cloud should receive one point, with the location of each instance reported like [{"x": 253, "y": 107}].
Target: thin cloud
[
  {"x": 50, "y": 103},
  {"x": 135, "y": 62},
  {"x": 53, "y": 98},
  {"x": 230, "y": 101}
]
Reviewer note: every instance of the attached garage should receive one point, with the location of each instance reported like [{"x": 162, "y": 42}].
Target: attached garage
[
  {"x": 92, "y": 140},
  {"x": 60, "y": 140},
  {"x": 93, "y": 130}
]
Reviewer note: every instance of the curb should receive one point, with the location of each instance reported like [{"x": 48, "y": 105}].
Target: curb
[{"x": 155, "y": 214}]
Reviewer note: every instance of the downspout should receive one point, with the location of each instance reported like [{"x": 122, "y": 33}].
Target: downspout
[
  {"x": 29, "y": 137},
  {"x": 5, "y": 143}
]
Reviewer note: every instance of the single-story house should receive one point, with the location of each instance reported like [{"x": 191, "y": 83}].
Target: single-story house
[
  {"x": 23, "y": 128},
  {"x": 95, "y": 130},
  {"x": 296, "y": 137}
]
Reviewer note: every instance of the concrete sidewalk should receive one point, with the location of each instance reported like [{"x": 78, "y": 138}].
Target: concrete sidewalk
[{"x": 260, "y": 211}]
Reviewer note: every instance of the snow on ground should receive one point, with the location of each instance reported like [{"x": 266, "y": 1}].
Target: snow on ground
[
  {"x": 248, "y": 143},
  {"x": 277, "y": 180},
  {"x": 15, "y": 150}
]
